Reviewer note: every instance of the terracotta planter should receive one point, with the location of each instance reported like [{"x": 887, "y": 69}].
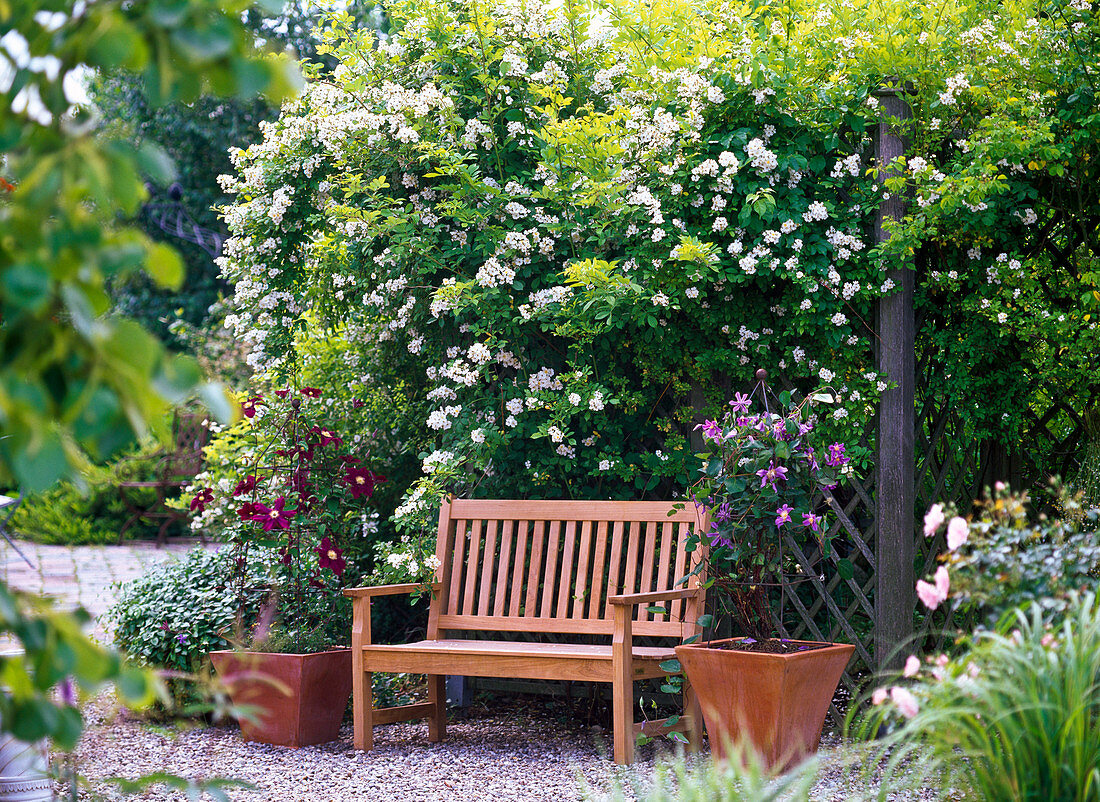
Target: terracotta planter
[
  {"x": 777, "y": 702},
  {"x": 298, "y": 699}
]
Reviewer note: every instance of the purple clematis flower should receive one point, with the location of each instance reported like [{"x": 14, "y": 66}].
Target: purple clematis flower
[
  {"x": 771, "y": 474},
  {"x": 811, "y": 520},
  {"x": 740, "y": 402},
  {"x": 275, "y": 516},
  {"x": 836, "y": 456},
  {"x": 783, "y": 515},
  {"x": 711, "y": 430},
  {"x": 723, "y": 513}
]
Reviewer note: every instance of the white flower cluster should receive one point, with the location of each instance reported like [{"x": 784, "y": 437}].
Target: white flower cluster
[
  {"x": 815, "y": 211},
  {"x": 955, "y": 86},
  {"x": 440, "y": 419},
  {"x": 493, "y": 274},
  {"x": 849, "y": 165},
  {"x": 544, "y": 380},
  {"x": 762, "y": 159},
  {"x": 542, "y": 298},
  {"x": 438, "y": 459}
]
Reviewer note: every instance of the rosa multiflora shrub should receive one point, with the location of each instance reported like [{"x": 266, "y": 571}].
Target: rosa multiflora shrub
[{"x": 567, "y": 251}]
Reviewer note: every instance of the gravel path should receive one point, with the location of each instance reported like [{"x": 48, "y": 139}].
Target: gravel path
[
  {"x": 519, "y": 755},
  {"x": 516, "y": 754}
]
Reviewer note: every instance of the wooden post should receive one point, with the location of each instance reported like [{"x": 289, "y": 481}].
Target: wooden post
[{"x": 895, "y": 580}]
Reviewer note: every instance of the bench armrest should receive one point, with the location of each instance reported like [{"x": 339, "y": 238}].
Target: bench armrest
[
  {"x": 388, "y": 590},
  {"x": 658, "y": 595}
]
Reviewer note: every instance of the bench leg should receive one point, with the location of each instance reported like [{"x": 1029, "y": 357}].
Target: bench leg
[
  {"x": 622, "y": 715},
  {"x": 362, "y": 706},
  {"x": 695, "y": 712},
  {"x": 437, "y": 698}
]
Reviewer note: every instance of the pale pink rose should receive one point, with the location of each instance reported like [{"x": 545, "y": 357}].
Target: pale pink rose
[
  {"x": 933, "y": 519},
  {"x": 933, "y": 595},
  {"x": 1047, "y": 639},
  {"x": 928, "y": 595},
  {"x": 999, "y": 486},
  {"x": 943, "y": 582},
  {"x": 942, "y": 660},
  {"x": 906, "y": 702},
  {"x": 879, "y": 696},
  {"x": 957, "y": 532},
  {"x": 912, "y": 666}
]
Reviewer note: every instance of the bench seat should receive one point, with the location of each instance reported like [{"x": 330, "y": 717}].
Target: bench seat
[{"x": 500, "y": 658}]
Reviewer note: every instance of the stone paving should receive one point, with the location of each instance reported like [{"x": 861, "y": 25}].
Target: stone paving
[{"x": 79, "y": 575}]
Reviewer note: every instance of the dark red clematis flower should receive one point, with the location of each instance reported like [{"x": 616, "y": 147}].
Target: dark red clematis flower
[
  {"x": 311, "y": 392},
  {"x": 246, "y": 485},
  {"x": 201, "y": 499},
  {"x": 362, "y": 481},
  {"x": 358, "y": 403},
  {"x": 248, "y": 408},
  {"x": 324, "y": 436},
  {"x": 328, "y": 556},
  {"x": 247, "y": 511},
  {"x": 315, "y": 580},
  {"x": 275, "y": 516},
  {"x": 284, "y": 555},
  {"x": 282, "y": 393}
]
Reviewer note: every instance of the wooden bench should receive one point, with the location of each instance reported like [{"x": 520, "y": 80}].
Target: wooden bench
[{"x": 582, "y": 568}]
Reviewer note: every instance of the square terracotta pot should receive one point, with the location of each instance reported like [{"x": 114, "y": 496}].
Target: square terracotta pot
[
  {"x": 297, "y": 699},
  {"x": 776, "y": 702}
]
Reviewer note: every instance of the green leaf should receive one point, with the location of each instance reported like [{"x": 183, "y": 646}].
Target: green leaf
[
  {"x": 671, "y": 666},
  {"x": 706, "y": 620},
  {"x": 155, "y": 162},
  {"x": 40, "y": 463},
  {"x": 165, "y": 266},
  {"x": 26, "y": 287},
  {"x": 845, "y": 568}
]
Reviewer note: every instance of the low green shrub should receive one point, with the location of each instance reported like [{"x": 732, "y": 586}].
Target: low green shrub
[
  {"x": 180, "y": 611},
  {"x": 68, "y": 515},
  {"x": 1015, "y": 718},
  {"x": 65, "y": 516}
]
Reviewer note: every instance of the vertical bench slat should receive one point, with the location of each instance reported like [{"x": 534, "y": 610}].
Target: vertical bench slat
[
  {"x": 456, "y": 568},
  {"x": 581, "y": 588},
  {"x": 566, "y": 572},
  {"x": 487, "y": 560},
  {"x": 595, "y": 604},
  {"x": 649, "y": 556},
  {"x": 534, "y": 573},
  {"x": 614, "y": 576},
  {"x": 444, "y": 549},
  {"x": 473, "y": 559},
  {"x": 501, "y": 590},
  {"x": 666, "y": 559},
  {"x": 681, "y": 567},
  {"x": 515, "y": 600},
  {"x": 550, "y": 564},
  {"x": 630, "y": 581}
]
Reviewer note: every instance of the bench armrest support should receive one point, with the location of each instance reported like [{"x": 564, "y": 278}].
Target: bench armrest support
[
  {"x": 658, "y": 595},
  {"x": 388, "y": 590}
]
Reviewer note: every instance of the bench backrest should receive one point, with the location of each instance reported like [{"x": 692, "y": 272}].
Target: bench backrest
[{"x": 549, "y": 566}]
